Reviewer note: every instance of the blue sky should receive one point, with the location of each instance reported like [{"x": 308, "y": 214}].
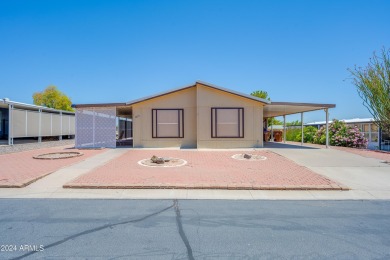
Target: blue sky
[{"x": 115, "y": 51}]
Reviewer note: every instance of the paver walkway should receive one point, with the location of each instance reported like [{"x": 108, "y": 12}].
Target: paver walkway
[
  {"x": 204, "y": 170},
  {"x": 20, "y": 169}
]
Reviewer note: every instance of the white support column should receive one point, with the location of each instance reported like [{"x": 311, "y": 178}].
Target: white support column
[
  {"x": 272, "y": 129},
  {"x": 284, "y": 128},
  {"x": 26, "y": 129},
  {"x": 93, "y": 127},
  {"x": 302, "y": 136},
  {"x": 60, "y": 138},
  {"x": 327, "y": 127},
  {"x": 10, "y": 134},
  {"x": 40, "y": 126}
]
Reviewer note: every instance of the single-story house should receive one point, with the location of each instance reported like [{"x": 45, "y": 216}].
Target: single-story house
[
  {"x": 20, "y": 121},
  {"x": 200, "y": 115}
]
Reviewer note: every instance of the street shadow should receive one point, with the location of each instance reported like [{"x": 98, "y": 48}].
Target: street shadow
[{"x": 275, "y": 145}]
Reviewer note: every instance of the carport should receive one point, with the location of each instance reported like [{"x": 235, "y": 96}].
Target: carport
[{"x": 276, "y": 109}]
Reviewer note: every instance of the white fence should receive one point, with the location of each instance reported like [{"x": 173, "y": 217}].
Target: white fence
[
  {"x": 95, "y": 127},
  {"x": 29, "y": 123}
]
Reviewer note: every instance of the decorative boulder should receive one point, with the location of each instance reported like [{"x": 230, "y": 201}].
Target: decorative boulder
[
  {"x": 247, "y": 156},
  {"x": 157, "y": 160}
]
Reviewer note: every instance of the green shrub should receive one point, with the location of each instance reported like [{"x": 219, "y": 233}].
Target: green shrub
[
  {"x": 291, "y": 134},
  {"x": 308, "y": 134}
]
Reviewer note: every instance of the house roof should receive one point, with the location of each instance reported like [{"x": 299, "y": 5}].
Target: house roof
[
  {"x": 193, "y": 85},
  {"x": 5, "y": 102},
  {"x": 271, "y": 109}
]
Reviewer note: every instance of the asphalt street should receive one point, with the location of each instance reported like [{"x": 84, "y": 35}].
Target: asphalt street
[{"x": 193, "y": 229}]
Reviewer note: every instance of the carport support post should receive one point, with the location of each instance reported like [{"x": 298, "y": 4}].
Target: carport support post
[
  {"x": 284, "y": 128},
  {"x": 60, "y": 137},
  {"x": 302, "y": 128},
  {"x": 40, "y": 126},
  {"x": 272, "y": 129},
  {"x": 10, "y": 137},
  {"x": 327, "y": 128}
]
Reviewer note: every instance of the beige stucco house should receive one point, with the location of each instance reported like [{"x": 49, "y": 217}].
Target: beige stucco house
[{"x": 200, "y": 115}]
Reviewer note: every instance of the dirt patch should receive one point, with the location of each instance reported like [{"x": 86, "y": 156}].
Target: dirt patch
[
  {"x": 249, "y": 157},
  {"x": 168, "y": 162},
  {"x": 59, "y": 155}
]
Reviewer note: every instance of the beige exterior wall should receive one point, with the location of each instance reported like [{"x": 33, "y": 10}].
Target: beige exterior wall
[
  {"x": 253, "y": 114},
  {"x": 197, "y": 102},
  {"x": 142, "y": 120}
]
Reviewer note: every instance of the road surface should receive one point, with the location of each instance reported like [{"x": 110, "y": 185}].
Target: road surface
[{"x": 193, "y": 229}]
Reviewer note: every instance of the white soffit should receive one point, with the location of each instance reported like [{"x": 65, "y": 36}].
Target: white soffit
[{"x": 287, "y": 108}]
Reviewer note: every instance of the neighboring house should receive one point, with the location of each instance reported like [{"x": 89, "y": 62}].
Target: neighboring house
[
  {"x": 200, "y": 115},
  {"x": 20, "y": 120},
  {"x": 368, "y": 127}
]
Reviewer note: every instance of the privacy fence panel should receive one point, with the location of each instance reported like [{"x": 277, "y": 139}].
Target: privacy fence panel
[
  {"x": 96, "y": 127},
  {"x": 56, "y": 124},
  {"x": 32, "y": 123},
  {"x": 19, "y": 123},
  {"x": 46, "y": 124}
]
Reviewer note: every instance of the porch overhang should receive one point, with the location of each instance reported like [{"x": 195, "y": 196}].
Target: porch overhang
[{"x": 288, "y": 108}]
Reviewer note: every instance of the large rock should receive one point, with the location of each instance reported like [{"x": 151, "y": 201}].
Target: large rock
[
  {"x": 247, "y": 156},
  {"x": 157, "y": 160}
]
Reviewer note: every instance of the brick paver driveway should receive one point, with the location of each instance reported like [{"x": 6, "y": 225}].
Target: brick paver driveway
[
  {"x": 20, "y": 169},
  {"x": 205, "y": 169}
]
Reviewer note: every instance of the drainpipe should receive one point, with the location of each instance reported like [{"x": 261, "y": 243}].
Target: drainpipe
[
  {"x": 302, "y": 128},
  {"x": 284, "y": 128},
  {"x": 327, "y": 128}
]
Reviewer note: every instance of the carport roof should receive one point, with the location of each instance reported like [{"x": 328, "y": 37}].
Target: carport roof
[{"x": 287, "y": 108}]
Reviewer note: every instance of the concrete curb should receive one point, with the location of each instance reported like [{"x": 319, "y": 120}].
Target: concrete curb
[{"x": 202, "y": 186}]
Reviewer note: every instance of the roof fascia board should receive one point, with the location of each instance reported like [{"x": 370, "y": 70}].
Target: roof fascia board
[
  {"x": 99, "y": 105},
  {"x": 24, "y": 105},
  {"x": 302, "y": 104}
]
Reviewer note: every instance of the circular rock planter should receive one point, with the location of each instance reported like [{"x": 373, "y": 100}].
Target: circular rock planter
[
  {"x": 59, "y": 155},
  {"x": 168, "y": 162},
  {"x": 249, "y": 157}
]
